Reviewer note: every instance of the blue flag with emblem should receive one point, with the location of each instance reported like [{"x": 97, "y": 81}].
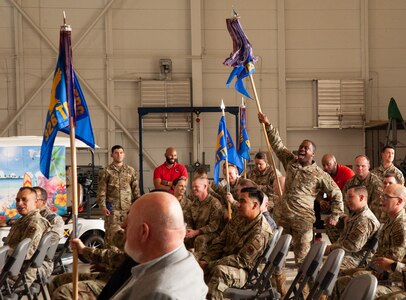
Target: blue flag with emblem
[
  {"x": 60, "y": 107},
  {"x": 241, "y": 72},
  {"x": 244, "y": 144},
  {"x": 225, "y": 149}
]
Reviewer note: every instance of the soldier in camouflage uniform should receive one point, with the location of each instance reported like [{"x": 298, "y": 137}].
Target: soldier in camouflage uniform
[
  {"x": 221, "y": 189},
  {"x": 372, "y": 182},
  {"x": 374, "y": 187},
  {"x": 117, "y": 190},
  {"x": 392, "y": 239},
  {"x": 387, "y": 166},
  {"x": 304, "y": 181},
  {"x": 179, "y": 191},
  {"x": 233, "y": 254},
  {"x": 90, "y": 284},
  {"x": 56, "y": 222},
  {"x": 361, "y": 224},
  {"x": 203, "y": 218},
  {"x": 31, "y": 225},
  {"x": 264, "y": 176}
]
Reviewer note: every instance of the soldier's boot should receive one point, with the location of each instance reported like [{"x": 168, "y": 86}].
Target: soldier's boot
[{"x": 280, "y": 280}]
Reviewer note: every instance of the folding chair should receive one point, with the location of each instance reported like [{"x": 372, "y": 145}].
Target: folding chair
[
  {"x": 255, "y": 273},
  {"x": 327, "y": 276},
  {"x": 370, "y": 247},
  {"x": 3, "y": 256},
  {"x": 13, "y": 266},
  {"x": 276, "y": 260},
  {"x": 40, "y": 284},
  {"x": 361, "y": 287},
  {"x": 20, "y": 286},
  {"x": 307, "y": 270}
]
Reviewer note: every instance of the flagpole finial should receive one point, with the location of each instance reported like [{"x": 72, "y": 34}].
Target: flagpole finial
[
  {"x": 234, "y": 13},
  {"x": 242, "y": 102},
  {"x": 222, "y": 106},
  {"x": 65, "y": 26}
]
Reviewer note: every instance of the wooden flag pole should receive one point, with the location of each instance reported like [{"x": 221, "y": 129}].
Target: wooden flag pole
[
  {"x": 266, "y": 136},
  {"x": 74, "y": 175},
  {"x": 74, "y": 180}
]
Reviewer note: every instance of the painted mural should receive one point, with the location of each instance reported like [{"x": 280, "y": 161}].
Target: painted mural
[{"x": 19, "y": 166}]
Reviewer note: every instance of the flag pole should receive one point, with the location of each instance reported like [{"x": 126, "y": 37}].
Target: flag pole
[
  {"x": 222, "y": 106},
  {"x": 69, "y": 89},
  {"x": 245, "y": 161},
  {"x": 265, "y": 134}
]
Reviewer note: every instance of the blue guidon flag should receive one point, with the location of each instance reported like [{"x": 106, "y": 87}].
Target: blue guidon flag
[
  {"x": 225, "y": 149},
  {"x": 66, "y": 99}
]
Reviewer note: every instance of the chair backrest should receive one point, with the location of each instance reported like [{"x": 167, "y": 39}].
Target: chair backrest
[
  {"x": 327, "y": 276},
  {"x": 361, "y": 287},
  {"x": 370, "y": 247},
  {"x": 3, "y": 256},
  {"x": 53, "y": 246},
  {"x": 276, "y": 260},
  {"x": 42, "y": 250},
  {"x": 253, "y": 274},
  {"x": 308, "y": 269},
  {"x": 19, "y": 254}
]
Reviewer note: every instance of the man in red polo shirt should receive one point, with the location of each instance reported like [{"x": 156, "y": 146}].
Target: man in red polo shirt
[
  {"x": 166, "y": 173},
  {"x": 340, "y": 174}
]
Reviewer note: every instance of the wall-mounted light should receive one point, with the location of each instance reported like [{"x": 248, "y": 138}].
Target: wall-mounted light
[{"x": 165, "y": 68}]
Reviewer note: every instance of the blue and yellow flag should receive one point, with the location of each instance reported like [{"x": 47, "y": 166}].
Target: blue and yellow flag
[
  {"x": 244, "y": 144},
  {"x": 58, "y": 112},
  {"x": 225, "y": 149},
  {"x": 241, "y": 72}
]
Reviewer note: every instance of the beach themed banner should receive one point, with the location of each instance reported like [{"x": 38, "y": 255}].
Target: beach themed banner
[{"x": 20, "y": 166}]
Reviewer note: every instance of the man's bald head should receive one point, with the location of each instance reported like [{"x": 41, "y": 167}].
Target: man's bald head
[
  {"x": 154, "y": 226},
  {"x": 329, "y": 163},
  {"x": 393, "y": 199},
  {"x": 171, "y": 156}
]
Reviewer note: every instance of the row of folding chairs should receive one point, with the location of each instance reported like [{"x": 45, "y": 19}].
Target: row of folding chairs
[
  {"x": 321, "y": 277},
  {"x": 13, "y": 283}
]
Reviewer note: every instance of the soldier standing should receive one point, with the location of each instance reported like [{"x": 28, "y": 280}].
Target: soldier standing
[
  {"x": 304, "y": 181},
  {"x": 117, "y": 190},
  {"x": 387, "y": 166}
]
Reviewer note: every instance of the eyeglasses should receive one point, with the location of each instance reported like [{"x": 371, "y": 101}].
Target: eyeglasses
[{"x": 387, "y": 197}]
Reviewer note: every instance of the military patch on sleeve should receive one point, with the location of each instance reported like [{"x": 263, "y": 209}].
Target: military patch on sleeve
[{"x": 250, "y": 250}]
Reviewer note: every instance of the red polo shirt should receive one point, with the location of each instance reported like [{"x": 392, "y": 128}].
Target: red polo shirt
[{"x": 170, "y": 174}]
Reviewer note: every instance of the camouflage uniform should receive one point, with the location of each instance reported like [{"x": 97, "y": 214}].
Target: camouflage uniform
[
  {"x": 375, "y": 189},
  {"x": 117, "y": 190},
  {"x": 381, "y": 172},
  {"x": 221, "y": 190},
  {"x": 90, "y": 284},
  {"x": 31, "y": 226},
  {"x": 185, "y": 205},
  {"x": 294, "y": 211},
  {"x": 206, "y": 216},
  {"x": 391, "y": 244},
  {"x": 359, "y": 227},
  {"x": 265, "y": 182},
  {"x": 233, "y": 254},
  {"x": 57, "y": 225}
]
